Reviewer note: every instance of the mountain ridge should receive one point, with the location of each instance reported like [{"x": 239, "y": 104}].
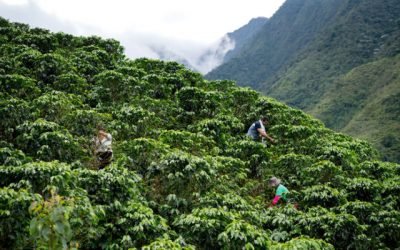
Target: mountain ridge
[{"x": 302, "y": 74}]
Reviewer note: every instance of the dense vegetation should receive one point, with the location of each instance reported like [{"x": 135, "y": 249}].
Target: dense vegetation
[
  {"x": 184, "y": 175},
  {"x": 243, "y": 35},
  {"x": 307, "y": 52}
]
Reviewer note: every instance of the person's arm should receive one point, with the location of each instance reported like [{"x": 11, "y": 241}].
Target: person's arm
[
  {"x": 276, "y": 199},
  {"x": 264, "y": 134}
]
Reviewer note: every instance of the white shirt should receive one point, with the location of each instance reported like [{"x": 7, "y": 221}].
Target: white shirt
[{"x": 104, "y": 144}]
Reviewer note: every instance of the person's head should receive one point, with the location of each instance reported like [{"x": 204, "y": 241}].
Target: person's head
[
  {"x": 264, "y": 120},
  {"x": 100, "y": 129},
  {"x": 273, "y": 182}
]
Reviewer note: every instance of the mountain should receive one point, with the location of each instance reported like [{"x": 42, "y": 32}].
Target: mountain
[
  {"x": 243, "y": 35},
  {"x": 168, "y": 55},
  {"x": 366, "y": 101},
  {"x": 214, "y": 55},
  {"x": 184, "y": 175},
  {"x": 304, "y": 50}
]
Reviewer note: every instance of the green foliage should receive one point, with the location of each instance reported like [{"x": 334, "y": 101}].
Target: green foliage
[
  {"x": 203, "y": 226},
  {"x": 46, "y": 141},
  {"x": 337, "y": 60},
  {"x": 220, "y": 128},
  {"x": 362, "y": 189},
  {"x": 323, "y": 172},
  {"x": 54, "y": 105},
  {"x": 166, "y": 244},
  {"x": 135, "y": 121},
  {"x": 15, "y": 218},
  {"x": 194, "y": 143},
  {"x": 12, "y": 157},
  {"x": 131, "y": 224},
  {"x": 112, "y": 86},
  {"x": 19, "y": 86},
  {"x": 253, "y": 153},
  {"x": 111, "y": 184},
  {"x": 13, "y": 112},
  {"x": 84, "y": 122},
  {"x": 198, "y": 103},
  {"x": 57, "y": 221},
  {"x": 322, "y": 195},
  {"x": 142, "y": 153},
  {"x": 303, "y": 243},
  {"x": 341, "y": 230},
  {"x": 183, "y": 175},
  {"x": 70, "y": 83},
  {"x": 240, "y": 234},
  {"x": 38, "y": 174}
]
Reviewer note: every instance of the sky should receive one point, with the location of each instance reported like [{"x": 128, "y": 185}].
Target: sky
[{"x": 184, "y": 28}]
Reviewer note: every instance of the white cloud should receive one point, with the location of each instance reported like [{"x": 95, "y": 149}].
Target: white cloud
[
  {"x": 184, "y": 27},
  {"x": 203, "y": 21},
  {"x": 15, "y": 2}
]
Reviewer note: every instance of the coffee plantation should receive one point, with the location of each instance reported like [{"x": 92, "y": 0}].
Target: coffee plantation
[{"x": 184, "y": 175}]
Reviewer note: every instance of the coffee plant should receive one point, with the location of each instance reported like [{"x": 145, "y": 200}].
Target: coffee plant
[{"x": 183, "y": 174}]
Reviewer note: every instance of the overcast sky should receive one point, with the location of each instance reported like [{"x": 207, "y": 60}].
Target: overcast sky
[{"x": 183, "y": 26}]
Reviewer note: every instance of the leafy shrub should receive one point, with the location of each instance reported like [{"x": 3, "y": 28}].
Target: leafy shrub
[
  {"x": 391, "y": 193},
  {"x": 142, "y": 153},
  {"x": 198, "y": 102},
  {"x": 203, "y": 226},
  {"x": 193, "y": 143},
  {"x": 140, "y": 121},
  {"x": 303, "y": 243},
  {"x": 12, "y": 157},
  {"x": 53, "y": 106},
  {"x": 167, "y": 244},
  {"x": 362, "y": 189},
  {"x": 46, "y": 140},
  {"x": 84, "y": 122},
  {"x": 341, "y": 230},
  {"x": 292, "y": 165},
  {"x": 240, "y": 234},
  {"x": 322, "y": 195},
  {"x": 70, "y": 83},
  {"x": 14, "y": 112},
  {"x": 220, "y": 128},
  {"x": 57, "y": 222},
  {"x": 253, "y": 154},
  {"x": 181, "y": 174},
  {"x": 49, "y": 66},
  {"x": 19, "y": 86},
  {"x": 322, "y": 172},
  {"x": 38, "y": 174},
  {"x": 15, "y": 217},
  {"x": 130, "y": 224},
  {"x": 109, "y": 184}
]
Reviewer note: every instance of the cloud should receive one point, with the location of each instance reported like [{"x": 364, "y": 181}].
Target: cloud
[
  {"x": 136, "y": 44},
  {"x": 189, "y": 31},
  {"x": 28, "y": 12}
]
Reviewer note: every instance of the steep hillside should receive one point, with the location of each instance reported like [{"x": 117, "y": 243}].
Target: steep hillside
[
  {"x": 366, "y": 102},
  {"x": 281, "y": 39},
  {"x": 304, "y": 64},
  {"x": 244, "y": 35},
  {"x": 361, "y": 34},
  {"x": 184, "y": 175}
]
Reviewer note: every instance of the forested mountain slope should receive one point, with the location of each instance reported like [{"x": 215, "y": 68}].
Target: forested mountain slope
[
  {"x": 308, "y": 47},
  {"x": 286, "y": 34},
  {"x": 367, "y": 103},
  {"x": 244, "y": 35},
  {"x": 184, "y": 176}
]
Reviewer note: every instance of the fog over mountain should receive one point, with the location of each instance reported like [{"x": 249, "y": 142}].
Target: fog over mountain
[{"x": 195, "y": 53}]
